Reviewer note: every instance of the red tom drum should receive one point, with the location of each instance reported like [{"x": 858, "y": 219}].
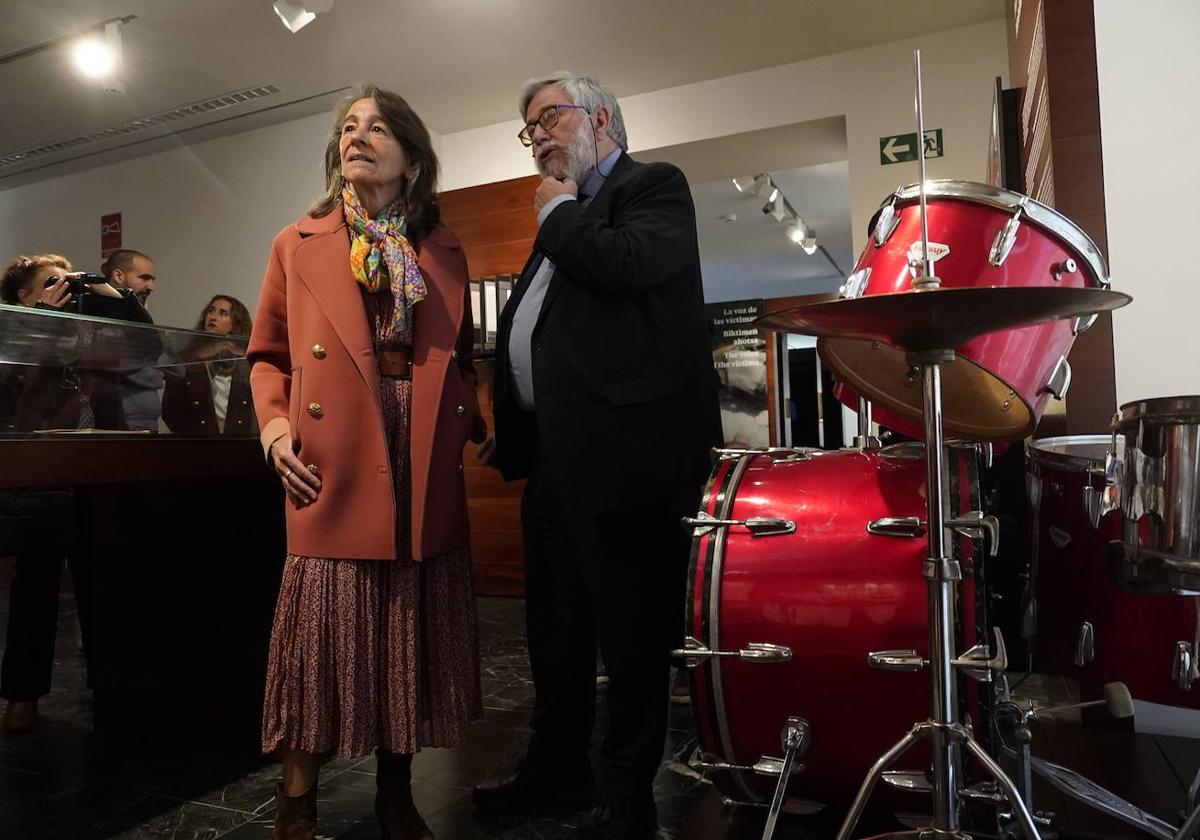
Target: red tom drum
[
  {"x": 828, "y": 568},
  {"x": 978, "y": 236}
]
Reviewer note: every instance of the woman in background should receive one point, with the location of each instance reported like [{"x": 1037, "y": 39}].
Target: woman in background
[{"x": 214, "y": 398}]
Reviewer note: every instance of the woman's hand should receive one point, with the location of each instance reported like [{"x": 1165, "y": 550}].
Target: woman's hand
[
  {"x": 210, "y": 350},
  {"x": 301, "y": 485},
  {"x": 56, "y": 294}
]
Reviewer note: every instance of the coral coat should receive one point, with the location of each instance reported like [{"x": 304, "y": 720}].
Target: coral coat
[{"x": 314, "y": 373}]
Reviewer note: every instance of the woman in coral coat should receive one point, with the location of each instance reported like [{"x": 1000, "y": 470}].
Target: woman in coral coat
[{"x": 365, "y": 392}]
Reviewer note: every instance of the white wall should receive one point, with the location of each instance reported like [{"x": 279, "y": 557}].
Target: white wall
[
  {"x": 207, "y": 212},
  {"x": 1148, "y": 66},
  {"x": 872, "y": 87}
]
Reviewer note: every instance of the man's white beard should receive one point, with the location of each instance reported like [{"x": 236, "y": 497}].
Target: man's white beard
[{"x": 580, "y": 157}]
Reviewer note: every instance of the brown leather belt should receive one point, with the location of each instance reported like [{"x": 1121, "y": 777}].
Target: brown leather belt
[{"x": 395, "y": 364}]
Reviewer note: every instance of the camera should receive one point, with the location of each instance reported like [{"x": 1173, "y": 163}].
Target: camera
[{"x": 78, "y": 281}]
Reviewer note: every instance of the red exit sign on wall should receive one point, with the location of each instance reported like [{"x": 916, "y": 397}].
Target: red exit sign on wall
[{"x": 110, "y": 234}]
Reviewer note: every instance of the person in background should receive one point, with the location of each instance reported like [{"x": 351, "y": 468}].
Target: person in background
[
  {"x": 213, "y": 398},
  {"x": 364, "y": 385},
  {"x": 37, "y": 527},
  {"x": 139, "y": 390}
]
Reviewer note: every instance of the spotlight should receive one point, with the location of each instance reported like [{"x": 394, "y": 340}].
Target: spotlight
[
  {"x": 762, "y": 182},
  {"x": 802, "y": 235},
  {"x": 775, "y": 206},
  {"x": 809, "y": 245},
  {"x": 297, "y": 14},
  {"x": 742, "y": 184},
  {"x": 96, "y": 57}
]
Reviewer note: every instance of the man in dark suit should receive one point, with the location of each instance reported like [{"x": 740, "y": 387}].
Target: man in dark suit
[{"x": 605, "y": 400}]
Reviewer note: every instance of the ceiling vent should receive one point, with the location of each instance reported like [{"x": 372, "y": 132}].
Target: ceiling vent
[{"x": 162, "y": 118}]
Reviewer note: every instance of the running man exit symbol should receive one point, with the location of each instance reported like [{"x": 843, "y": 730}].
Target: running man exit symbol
[{"x": 900, "y": 148}]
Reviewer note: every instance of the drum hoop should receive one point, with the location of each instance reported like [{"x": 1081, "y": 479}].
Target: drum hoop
[
  {"x": 1168, "y": 411},
  {"x": 1039, "y": 453},
  {"x": 1001, "y": 199},
  {"x": 711, "y": 616}
]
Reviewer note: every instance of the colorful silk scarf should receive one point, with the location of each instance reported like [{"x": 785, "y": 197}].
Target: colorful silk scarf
[{"x": 382, "y": 257}]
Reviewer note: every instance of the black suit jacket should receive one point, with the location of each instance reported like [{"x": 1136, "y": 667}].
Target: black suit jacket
[{"x": 626, "y": 393}]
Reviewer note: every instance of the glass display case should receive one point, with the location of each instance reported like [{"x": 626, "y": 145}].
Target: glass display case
[{"x": 64, "y": 373}]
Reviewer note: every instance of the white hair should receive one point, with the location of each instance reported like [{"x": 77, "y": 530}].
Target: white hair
[{"x": 581, "y": 90}]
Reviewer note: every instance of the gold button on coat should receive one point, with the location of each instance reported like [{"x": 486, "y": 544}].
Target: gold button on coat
[
  {"x": 318, "y": 351},
  {"x": 314, "y": 408},
  {"x": 460, "y": 411},
  {"x": 313, "y": 468}
]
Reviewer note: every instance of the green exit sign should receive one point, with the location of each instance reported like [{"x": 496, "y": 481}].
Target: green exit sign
[{"x": 899, "y": 148}]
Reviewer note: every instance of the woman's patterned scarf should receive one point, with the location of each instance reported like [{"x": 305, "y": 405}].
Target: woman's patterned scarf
[{"x": 381, "y": 256}]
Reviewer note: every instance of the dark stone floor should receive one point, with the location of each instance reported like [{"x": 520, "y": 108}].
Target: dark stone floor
[{"x": 64, "y": 780}]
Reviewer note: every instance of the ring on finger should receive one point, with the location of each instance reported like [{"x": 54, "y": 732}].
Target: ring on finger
[{"x": 287, "y": 474}]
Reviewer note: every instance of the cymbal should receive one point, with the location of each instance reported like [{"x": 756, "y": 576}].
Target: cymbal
[{"x": 941, "y": 318}]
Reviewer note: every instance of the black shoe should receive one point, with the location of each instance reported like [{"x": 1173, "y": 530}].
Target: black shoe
[
  {"x": 535, "y": 792},
  {"x": 625, "y": 818}
]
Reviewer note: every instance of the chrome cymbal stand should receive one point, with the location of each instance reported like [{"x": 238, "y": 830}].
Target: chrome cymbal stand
[{"x": 946, "y": 732}]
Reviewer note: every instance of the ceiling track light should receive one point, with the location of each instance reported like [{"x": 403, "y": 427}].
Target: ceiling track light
[{"x": 297, "y": 14}]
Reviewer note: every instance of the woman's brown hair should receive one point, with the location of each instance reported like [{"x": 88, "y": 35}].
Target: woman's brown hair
[
  {"x": 420, "y": 191},
  {"x": 19, "y": 273},
  {"x": 238, "y": 313}
]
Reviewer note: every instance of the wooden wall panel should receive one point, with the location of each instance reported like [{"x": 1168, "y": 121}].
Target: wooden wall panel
[
  {"x": 496, "y": 225},
  {"x": 1052, "y": 55}
]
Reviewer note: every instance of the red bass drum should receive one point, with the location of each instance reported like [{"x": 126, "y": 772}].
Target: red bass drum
[
  {"x": 823, "y": 566},
  {"x": 978, "y": 236}
]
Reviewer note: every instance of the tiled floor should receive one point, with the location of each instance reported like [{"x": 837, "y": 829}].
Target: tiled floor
[{"x": 66, "y": 781}]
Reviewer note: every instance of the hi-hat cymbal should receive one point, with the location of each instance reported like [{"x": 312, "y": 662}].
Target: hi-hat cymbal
[{"x": 941, "y": 318}]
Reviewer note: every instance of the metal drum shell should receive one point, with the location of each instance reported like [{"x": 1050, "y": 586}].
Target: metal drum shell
[
  {"x": 1159, "y": 483},
  {"x": 830, "y": 591},
  {"x": 997, "y": 389},
  {"x": 1073, "y": 581}
]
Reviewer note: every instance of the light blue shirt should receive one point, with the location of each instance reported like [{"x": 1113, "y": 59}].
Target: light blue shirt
[{"x": 520, "y": 336}]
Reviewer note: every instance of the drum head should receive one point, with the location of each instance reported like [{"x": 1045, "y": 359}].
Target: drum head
[{"x": 976, "y": 404}]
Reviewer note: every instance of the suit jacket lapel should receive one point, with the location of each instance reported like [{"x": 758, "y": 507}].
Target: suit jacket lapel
[{"x": 598, "y": 205}]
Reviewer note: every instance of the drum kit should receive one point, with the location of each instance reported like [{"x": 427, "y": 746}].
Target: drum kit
[{"x": 806, "y": 629}]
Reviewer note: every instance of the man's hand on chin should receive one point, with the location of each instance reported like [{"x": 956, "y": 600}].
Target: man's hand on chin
[{"x": 551, "y": 188}]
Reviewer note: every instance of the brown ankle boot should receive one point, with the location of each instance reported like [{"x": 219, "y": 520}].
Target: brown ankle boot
[
  {"x": 394, "y": 807},
  {"x": 295, "y": 816}
]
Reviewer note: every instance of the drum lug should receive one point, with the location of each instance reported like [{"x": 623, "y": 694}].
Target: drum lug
[
  {"x": 694, "y": 653},
  {"x": 855, "y": 284},
  {"x": 759, "y": 526},
  {"x": 1098, "y": 502},
  {"x": 1006, "y": 237},
  {"x": 1183, "y": 666},
  {"x": 896, "y": 660},
  {"x": 976, "y": 525},
  {"x": 1060, "y": 379},
  {"x": 978, "y": 662},
  {"x": 897, "y": 526},
  {"x": 887, "y": 221},
  {"x": 776, "y": 453},
  {"x": 1084, "y": 323},
  {"x": 1085, "y": 644},
  {"x": 1067, "y": 266}
]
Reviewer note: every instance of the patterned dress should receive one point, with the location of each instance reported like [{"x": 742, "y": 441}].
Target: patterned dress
[{"x": 368, "y": 653}]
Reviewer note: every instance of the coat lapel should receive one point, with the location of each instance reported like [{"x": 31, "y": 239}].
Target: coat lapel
[{"x": 323, "y": 266}]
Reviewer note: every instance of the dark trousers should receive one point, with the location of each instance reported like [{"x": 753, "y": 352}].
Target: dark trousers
[
  {"x": 33, "y": 623},
  {"x": 616, "y": 579}
]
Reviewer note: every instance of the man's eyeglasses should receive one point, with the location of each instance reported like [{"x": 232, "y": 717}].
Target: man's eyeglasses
[{"x": 547, "y": 120}]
